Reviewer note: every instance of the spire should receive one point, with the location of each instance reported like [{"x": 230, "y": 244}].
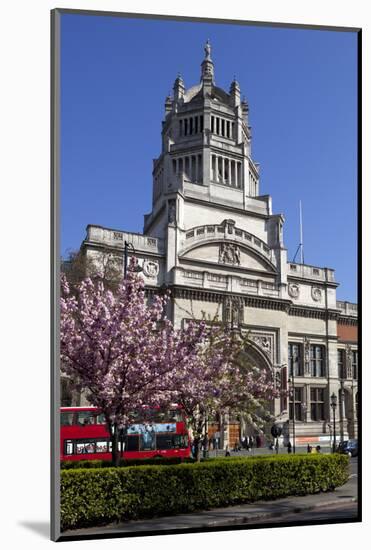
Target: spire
[
  {"x": 168, "y": 104},
  {"x": 207, "y": 66},
  {"x": 235, "y": 92},
  {"x": 245, "y": 108},
  {"x": 178, "y": 88}
]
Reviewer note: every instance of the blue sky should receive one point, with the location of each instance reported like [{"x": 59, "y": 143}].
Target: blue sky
[{"x": 302, "y": 92}]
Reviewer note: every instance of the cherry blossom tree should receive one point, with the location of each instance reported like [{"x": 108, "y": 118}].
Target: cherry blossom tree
[
  {"x": 115, "y": 348},
  {"x": 125, "y": 354},
  {"x": 220, "y": 379},
  {"x": 122, "y": 351}
]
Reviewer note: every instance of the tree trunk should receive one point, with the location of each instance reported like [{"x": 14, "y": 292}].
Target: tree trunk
[
  {"x": 115, "y": 445},
  {"x": 197, "y": 447}
]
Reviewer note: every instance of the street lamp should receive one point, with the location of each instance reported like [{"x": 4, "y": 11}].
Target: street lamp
[
  {"x": 292, "y": 384},
  {"x": 333, "y": 406},
  {"x": 137, "y": 268}
]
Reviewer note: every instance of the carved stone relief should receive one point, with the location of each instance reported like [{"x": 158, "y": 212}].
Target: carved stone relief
[
  {"x": 265, "y": 342},
  {"x": 229, "y": 254},
  {"x": 150, "y": 268},
  {"x": 294, "y": 290},
  {"x": 233, "y": 312},
  {"x": 316, "y": 294}
]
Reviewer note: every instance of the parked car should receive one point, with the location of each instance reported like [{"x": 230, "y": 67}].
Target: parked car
[{"x": 349, "y": 447}]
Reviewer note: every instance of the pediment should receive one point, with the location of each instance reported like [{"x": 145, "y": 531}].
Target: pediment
[{"x": 228, "y": 254}]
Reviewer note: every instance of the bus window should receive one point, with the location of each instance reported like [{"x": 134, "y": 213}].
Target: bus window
[
  {"x": 100, "y": 419},
  {"x": 147, "y": 440},
  {"x": 102, "y": 446},
  {"x": 132, "y": 443},
  {"x": 67, "y": 418},
  {"x": 85, "y": 418},
  {"x": 164, "y": 442},
  {"x": 180, "y": 441},
  {"x": 84, "y": 447},
  {"x": 68, "y": 448},
  {"x": 175, "y": 415}
]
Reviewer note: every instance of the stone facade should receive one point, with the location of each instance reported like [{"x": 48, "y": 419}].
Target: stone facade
[{"x": 215, "y": 242}]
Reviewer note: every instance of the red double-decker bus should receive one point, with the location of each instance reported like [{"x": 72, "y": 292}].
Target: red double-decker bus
[{"x": 156, "y": 433}]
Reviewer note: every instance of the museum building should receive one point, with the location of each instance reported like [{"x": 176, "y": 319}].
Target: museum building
[{"x": 214, "y": 241}]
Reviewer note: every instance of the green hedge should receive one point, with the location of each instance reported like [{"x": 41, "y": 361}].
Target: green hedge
[
  {"x": 77, "y": 464},
  {"x": 91, "y": 497}
]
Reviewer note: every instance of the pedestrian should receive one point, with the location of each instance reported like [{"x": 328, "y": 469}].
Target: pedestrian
[
  {"x": 289, "y": 447},
  {"x": 277, "y": 446},
  {"x": 318, "y": 448},
  {"x": 309, "y": 448},
  {"x": 227, "y": 453}
]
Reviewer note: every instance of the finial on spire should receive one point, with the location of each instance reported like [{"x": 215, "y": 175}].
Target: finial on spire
[
  {"x": 208, "y": 50},
  {"x": 207, "y": 65}
]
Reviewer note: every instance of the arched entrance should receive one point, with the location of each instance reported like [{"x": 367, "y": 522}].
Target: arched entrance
[{"x": 258, "y": 356}]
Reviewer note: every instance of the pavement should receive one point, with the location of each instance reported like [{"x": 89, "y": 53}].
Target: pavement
[{"x": 341, "y": 501}]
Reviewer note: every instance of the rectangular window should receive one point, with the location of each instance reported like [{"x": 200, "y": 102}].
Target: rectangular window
[
  {"x": 85, "y": 447},
  {"x": 201, "y": 123},
  {"x": 317, "y": 360},
  {"x": 355, "y": 364},
  {"x": 228, "y": 129},
  {"x": 102, "y": 446},
  {"x": 164, "y": 442},
  {"x": 196, "y": 124},
  {"x": 132, "y": 443},
  {"x": 191, "y": 126},
  {"x": 68, "y": 447},
  {"x": 147, "y": 440},
  {"x": 223, "y": 127},
  {"x": 185, "y": 126},
  {"x": 295, "y": 360},
  {"x": 298, "y": 404},
  {"x": 180, "y": 127},
  {"x": 217, "y": 125},
  {"x": 317, "y": 404},
  {"x": 341, "y": 363},
  {"x": 86, "y": 418},
  {"x": 67, "y": 418}
]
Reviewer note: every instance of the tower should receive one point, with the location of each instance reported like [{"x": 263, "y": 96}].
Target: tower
[{"x": 205, "y": 172}]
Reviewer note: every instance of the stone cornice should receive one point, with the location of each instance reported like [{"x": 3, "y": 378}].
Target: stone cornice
[
  {"x": 261, "y": 302},
  {"x": 313, "y": 313},
  {"x": 218, "y": 297},
  {"x": 316, "y": 282},
  {"x": 119, "y": 250},
  {"x": 343, "y": 320},
  {"x": 224, "y": 268},
  {"x": 227, "y": 207}
]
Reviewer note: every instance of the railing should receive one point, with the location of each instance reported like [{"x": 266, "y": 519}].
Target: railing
[
  {"x": 230, "y": 232},
  {"x": 347, "y": 308},
  {"x": 311, "y": 272},
  {"x": 117, "y": 238}
]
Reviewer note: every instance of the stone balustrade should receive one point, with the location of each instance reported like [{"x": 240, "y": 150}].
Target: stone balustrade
[
  {"x": 230, "y": 232},
  {"x": 110, "y": 237},
  {"x": 311, "y": 272},
  {"x": 347, "y": 308}
]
